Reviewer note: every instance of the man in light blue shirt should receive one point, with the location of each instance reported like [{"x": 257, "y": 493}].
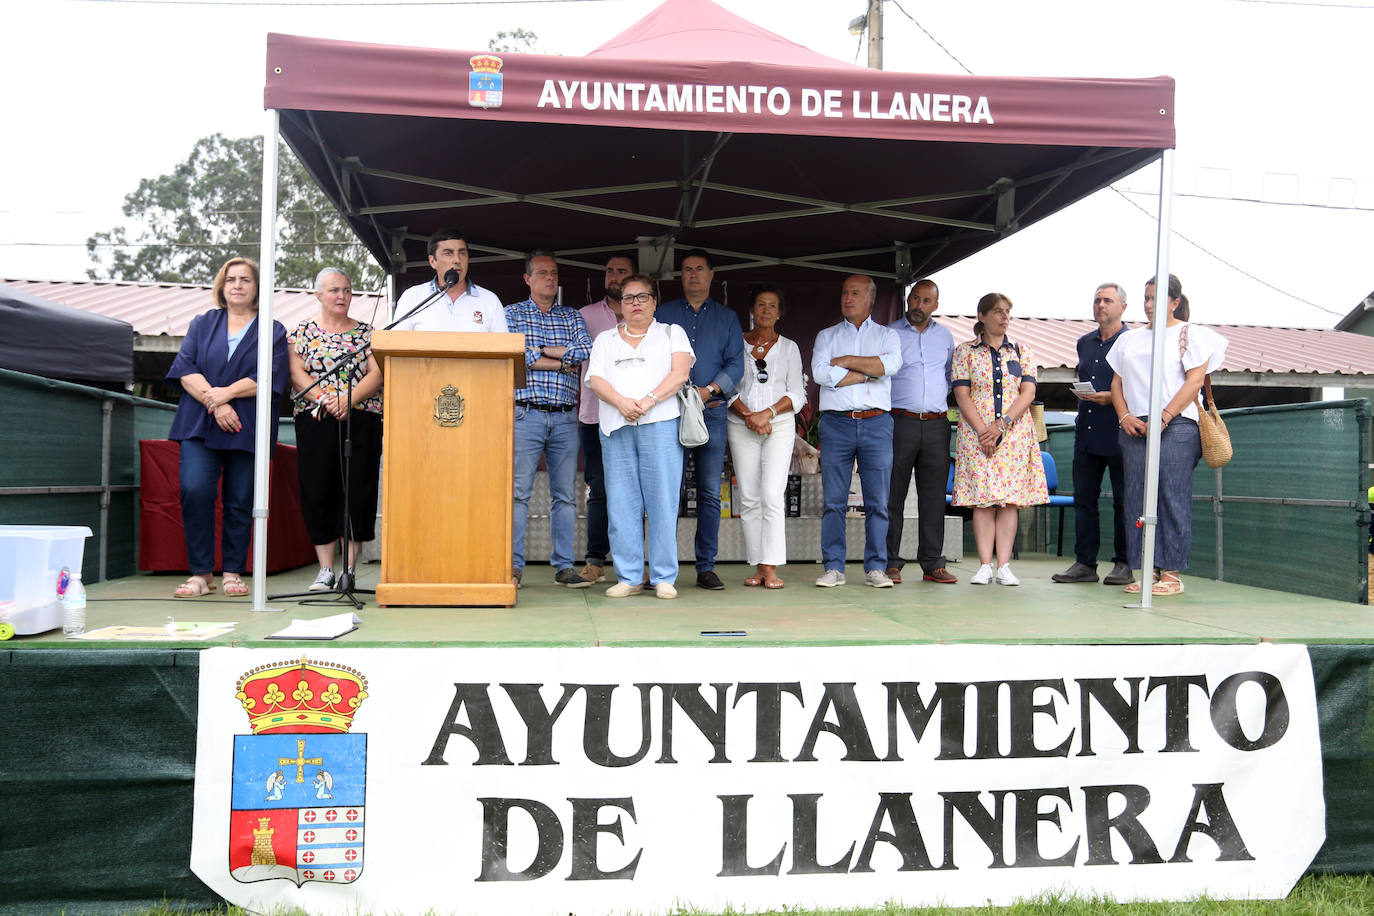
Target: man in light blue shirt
[
  {"x": 853, "y": 362},
  {"x": 920, "y": 434}
]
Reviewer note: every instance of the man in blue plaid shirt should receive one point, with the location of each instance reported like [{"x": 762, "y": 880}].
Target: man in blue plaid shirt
[{"x": 556, "y": 345}]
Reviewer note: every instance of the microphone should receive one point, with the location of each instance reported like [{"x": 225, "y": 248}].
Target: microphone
[{"x": 451, "y": 278}]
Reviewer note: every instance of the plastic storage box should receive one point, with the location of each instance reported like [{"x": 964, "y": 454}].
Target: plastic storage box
[{"x": 31, "y": 559}]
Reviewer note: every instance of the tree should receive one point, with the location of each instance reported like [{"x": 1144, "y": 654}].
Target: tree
[
  {"x": 183, "y": 225},
  {"x": 516, "y": 41}
]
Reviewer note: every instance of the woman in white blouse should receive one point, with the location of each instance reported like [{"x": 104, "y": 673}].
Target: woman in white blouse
[
  {"x": 761, "y": 432},
  {"x": 1190, "y": 352},
  {"x": 636, "y": 369}
]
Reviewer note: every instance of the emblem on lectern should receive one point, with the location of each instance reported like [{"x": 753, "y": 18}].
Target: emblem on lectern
[{"x": 448, "y": 407}]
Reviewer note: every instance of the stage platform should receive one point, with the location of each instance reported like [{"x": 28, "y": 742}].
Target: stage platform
[{"x": 1038, "y": 611}]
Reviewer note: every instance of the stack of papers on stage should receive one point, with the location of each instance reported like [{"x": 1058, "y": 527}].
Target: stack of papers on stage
[
  {"x": 321, "y": 628},
  {"x": 176, "y": 631}
]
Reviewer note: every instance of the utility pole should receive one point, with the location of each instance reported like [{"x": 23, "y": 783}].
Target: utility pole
[{"x": 875, "y": 34}]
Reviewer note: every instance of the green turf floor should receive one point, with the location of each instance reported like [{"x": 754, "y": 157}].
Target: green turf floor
[{"x": 1039, "y": 611}]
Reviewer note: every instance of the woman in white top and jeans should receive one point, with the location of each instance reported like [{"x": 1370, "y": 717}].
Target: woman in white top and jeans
[
  {"x": 636, "y": 369},
  {"x": 761, "y": 432},
  {"x": 1190, "y": 352}
]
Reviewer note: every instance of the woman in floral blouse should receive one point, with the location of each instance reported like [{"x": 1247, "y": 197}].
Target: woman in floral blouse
[{"x": 322, "y": 417}]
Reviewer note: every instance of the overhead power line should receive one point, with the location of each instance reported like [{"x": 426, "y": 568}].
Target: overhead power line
[{"x": 1255, "y": 200}]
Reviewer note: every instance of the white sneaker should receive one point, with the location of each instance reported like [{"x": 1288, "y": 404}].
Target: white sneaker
[
  {"x": 983, "y": 576},
  {"x": 324, "y": 581},
  {"x": 1005, "y": 576},
  {"x": 623, "y": 590},
  {"x": 877, "y": 578},
  {"x": 665, "y": 590},
  {"x": 831, "y": 578}
]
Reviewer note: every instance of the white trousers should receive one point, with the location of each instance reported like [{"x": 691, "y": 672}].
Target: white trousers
[{"x": 761, "y": 465}]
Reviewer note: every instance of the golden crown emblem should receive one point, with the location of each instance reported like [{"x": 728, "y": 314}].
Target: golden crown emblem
[
  {"x": 485, "y": 63},
  {"x": 301, "y": 696}
]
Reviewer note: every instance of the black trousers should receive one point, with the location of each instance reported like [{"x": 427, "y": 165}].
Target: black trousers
[
  {"x": 1087, "y": 487},
  {"x": 319, "y": 466},
  {"x": 921, "y": 446}
]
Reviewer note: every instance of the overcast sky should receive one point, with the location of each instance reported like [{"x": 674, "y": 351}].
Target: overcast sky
[{"x": 1274, "y": 105}]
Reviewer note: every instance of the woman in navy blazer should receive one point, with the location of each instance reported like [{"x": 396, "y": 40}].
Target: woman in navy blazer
[{"x": 217, "y": 367}]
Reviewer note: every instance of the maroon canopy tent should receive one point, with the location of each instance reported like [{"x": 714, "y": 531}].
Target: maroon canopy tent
[{"x": 698, "y": 128}]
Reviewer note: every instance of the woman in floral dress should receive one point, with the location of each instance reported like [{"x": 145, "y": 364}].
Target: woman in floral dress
[{"x": 997, "y": 466}]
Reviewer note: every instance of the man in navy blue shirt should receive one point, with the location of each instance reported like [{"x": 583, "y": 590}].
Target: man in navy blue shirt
[
  {"x": 718, "y": 343},
  {"x": 1095, "y": 447}
]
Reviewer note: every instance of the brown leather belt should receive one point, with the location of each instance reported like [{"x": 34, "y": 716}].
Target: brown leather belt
[
  {"x": 935, "y": 415},
  {"x": 858, "y": 414}
]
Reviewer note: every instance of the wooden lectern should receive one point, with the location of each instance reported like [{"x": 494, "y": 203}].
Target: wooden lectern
[{"x": 447, "y": 466}]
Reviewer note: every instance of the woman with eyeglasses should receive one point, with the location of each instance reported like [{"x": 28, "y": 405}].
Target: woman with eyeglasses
[
  {"x": 761, "y": 432},
  {"x": 997, "y": 466},
  {"x": 636, "y": 369}
]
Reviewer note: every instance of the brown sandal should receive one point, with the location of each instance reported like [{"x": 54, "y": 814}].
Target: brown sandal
[
  {"x": 774, "y": 582},
  {"x": 193, "y": 587},
  {"x": 753, "y": 582}
]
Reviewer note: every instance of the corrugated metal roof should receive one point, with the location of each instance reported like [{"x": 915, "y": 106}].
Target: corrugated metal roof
[
  {"x": 159, "y": 308},
  {"x": 167, "y": 308},
  {"x": 1252, "y": 349}
]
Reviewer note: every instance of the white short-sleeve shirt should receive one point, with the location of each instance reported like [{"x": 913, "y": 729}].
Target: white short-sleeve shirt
[
  {"x": 635, "y": 371},
  {"x": 1133, "y": 354}
]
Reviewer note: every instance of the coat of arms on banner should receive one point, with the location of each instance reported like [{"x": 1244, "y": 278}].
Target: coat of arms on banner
[
  {"x": 484, "y": 82},
  {"x": 300, "y": 779}
]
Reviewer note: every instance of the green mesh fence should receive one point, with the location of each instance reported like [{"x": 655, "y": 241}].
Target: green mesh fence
[
  {"x": 1293, "y": 513},
  {"x": 55, "y": 441}
]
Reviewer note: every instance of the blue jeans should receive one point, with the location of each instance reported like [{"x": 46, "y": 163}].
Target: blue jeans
[
  {"x": 643, "y": 472},
  {"x": 710, "y": 460},
  {"x": 1179, "y": 451},
  {"x": 842, "y": 441},
  {"x": 598, "y": 541},
  {"x": 201, "y": 469},
  {"x": 553, "y": 435}
]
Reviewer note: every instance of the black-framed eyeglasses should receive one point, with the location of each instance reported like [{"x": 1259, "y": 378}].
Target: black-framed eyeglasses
[
  {"x": 762, "y": 368},
  {"x": 632, "y": 298}
]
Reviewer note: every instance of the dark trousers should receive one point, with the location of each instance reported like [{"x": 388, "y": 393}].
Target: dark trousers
[
  {"x": 319, "y": 466},
  {"x": 921, "y": 446},
  {"x": 598, "y": 534},
  {"x": 201, "y": 470},
  {"x": 1087, "y": 488}
]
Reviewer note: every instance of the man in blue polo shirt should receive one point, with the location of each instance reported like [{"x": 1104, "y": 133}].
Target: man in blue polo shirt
[
  {"x": 718, "y": 343},
  {"x": 1095, "y": 446}
]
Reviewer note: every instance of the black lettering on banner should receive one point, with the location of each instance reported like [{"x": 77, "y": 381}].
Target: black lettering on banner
[
  {"x": 1027, "y": 827},
  {"x": 904, "y": 696},
  {"x": 987, "y": 825},
  {"x": 849, "y": 725},
  {"x": 1220, "y": 826},
  {"x": 710, "y": 721},
  {"x": 539, "y": 720},
  {"x": 1226, "y": 718},
  {"x": 1023, "y": 709},
  {"x": 768, "y": 717},
  {"x": 482, "y": 729},
  {"x": 905, "y": 837},
  {"x": 1123, "y": 711},
  {"x": 585, "y": 827},
  {"x": 1176, "y": 718},
  {"x": 496, "y": 837},
  {"x": 806, "y": 839},
  {"x": 1099, "y": 825},
  {"x": 734, "y": 841},
  {"x": 596, "y": 741}
]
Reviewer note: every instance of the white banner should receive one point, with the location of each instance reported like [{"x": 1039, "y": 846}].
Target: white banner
[{"x": 587, "y": 781}]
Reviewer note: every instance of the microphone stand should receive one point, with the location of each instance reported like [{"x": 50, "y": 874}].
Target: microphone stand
[
  {"x": 450, "y": 281},
  {"x": 343, "y": 589}
]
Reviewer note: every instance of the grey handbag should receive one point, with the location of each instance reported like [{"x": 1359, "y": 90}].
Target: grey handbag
[{"x": 691, "y": 429}]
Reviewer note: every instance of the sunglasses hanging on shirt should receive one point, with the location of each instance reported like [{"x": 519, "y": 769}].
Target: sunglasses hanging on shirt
[{"x": 762, "y": 368}]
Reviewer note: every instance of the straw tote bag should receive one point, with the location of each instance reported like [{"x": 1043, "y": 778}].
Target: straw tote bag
[{"x": 1211, "y": 428}]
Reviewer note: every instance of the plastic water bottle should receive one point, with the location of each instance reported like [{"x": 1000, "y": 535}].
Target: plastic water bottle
[{"x": 74, "y": 607}]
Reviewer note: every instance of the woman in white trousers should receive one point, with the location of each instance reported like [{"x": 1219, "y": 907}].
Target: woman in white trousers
[{"x": 761, "y": 431}]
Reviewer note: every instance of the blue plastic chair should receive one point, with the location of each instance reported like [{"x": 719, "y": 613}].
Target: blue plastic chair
[{"x": 1061, "y": 502}]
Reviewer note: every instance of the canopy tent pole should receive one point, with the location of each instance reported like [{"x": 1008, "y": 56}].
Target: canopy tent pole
[
  {"x": 1149, "y": 517},
  {"x": 262, "y": 446}
]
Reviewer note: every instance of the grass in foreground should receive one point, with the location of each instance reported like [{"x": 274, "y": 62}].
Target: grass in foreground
[{"x": 1328, "y": 895}]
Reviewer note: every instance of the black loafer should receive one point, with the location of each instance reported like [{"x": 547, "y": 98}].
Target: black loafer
[
  {"x": 707, "y": 578},
  {"x": 1120, "y": 575},
  {"x": 1078, "y": 572}
]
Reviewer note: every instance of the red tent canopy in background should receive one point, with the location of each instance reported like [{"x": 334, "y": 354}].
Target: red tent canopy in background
[{"x": 698, "y": 128}]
